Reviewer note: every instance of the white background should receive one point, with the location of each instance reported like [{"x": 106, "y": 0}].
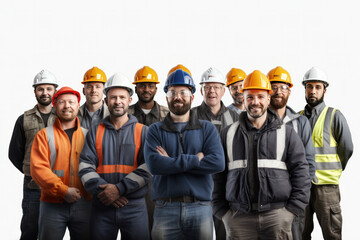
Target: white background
[{"x": 69, "y": 37}]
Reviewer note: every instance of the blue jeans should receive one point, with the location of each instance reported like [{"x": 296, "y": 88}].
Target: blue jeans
[
  {"x": 179, "y": 220},
  {"x": 55, "y": 217},
  {"x": 132, "y": 220},
  {"x": 30, "y": 208}
]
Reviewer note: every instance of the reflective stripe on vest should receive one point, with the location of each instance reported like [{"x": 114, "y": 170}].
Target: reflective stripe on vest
[
  {"x": 117, "y": 168},
  {"x": 328, "y": 165},
  {"x": 53, "y": 154},
  {"x": 262, "y": 163}
]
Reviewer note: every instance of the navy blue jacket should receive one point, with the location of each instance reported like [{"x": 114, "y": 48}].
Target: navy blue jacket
[
  {"x": 283, "y": 175},
  {"x": 182, "y": 174}
]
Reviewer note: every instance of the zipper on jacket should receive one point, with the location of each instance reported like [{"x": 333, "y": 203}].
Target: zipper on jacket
[{"x": 181, "y": 142}]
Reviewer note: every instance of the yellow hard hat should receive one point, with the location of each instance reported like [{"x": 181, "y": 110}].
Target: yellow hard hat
[
  {"x": 146, "y": 74},
  {"x": 235, "y": 75},
  {"x": 279, "y": 74},
  {"x": 179, "y": 66},
  {"x": 94, "y": 74},
  {"x": 256, "y": 80}
]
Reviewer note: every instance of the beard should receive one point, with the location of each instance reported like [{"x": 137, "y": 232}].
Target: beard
[
  {"x": 179, "y": 110},
  {"x": 118, "y": 113},
  {"x": 262, "y": 112},
  {"x": 314, "y": 102},
  {"x": 238, "y": 98},
  {"x": 146, "y": 100},
  {"x": 42, "y": 100},
  {"x": 278, "y": 104}
]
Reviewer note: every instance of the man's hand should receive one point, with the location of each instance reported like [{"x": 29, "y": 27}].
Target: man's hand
[
  {"x": 200, "y": 155},
  {"x": 72, "y": 195},
  {"x": 120, "y": 202},
  {"x": 109, "y": 195},
  {"x": 161, "y": 151}
]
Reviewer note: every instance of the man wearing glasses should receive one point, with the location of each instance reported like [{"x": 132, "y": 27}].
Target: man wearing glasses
[
  {"x": 280, "y": 84},
  {"x": 213, "y": 109},
  {"x": 182, "y": 152}
]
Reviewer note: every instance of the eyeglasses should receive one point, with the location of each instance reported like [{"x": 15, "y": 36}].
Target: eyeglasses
[
  {"x": 183, "y": 93},
  {"x": 216, "y": 88},
  {"x": 70, "y": 102},
  {"x": 282, "y": 88}
]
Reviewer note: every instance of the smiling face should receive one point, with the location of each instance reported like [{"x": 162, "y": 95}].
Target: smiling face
[
  {"x": 179, "y": 99},
  {"x": 66, "y": 107},
  {"x": 235, "y": 93},
  {"x": 280, "y": 95},
  {"x": 212, "y": 93},
  {"x": 93, "y": 92},
  {"x": 256, "y": 102},
  {"x": 146, "y": 91},
  {"x": 44, "y": 93},
  {"x": 118, "y": 101},
  {"x": 314, "y": 93}
]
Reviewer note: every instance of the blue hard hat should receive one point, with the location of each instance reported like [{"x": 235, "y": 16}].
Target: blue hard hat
[{"x": 180, "y": 77}]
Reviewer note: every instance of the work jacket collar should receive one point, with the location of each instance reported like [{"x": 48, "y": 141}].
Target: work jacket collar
[{"x": 168, "y": 123}]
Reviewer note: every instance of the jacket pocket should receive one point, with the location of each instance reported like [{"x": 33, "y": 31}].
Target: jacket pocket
[
  {"x": 335, "y": 218},
  {"x": 235, "y": 186},
  {"x": 275, "y": 185}
]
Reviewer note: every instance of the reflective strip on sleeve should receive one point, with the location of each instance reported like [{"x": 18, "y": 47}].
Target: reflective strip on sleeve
[
  {"x": 83, "y": 165},
  {"x": 88, "y": 176},
  {"x": 59, "y": 173},
  {"x": 136, "y": 178}
]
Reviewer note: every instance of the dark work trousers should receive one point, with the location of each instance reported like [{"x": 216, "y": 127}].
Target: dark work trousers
[
  {"x": 30, "y": 208},
  {"x": 269, "y": 225},
  {"x": 325, "y": 202},
  {"x": 150, "y": 205},
  {"x": 220, "y": 231},
  {"x": 297, "y": 227},
  {"x": 132, "y": 221}
]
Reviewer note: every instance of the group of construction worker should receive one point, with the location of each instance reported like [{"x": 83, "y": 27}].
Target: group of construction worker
[{"x": 255, "y": 169}]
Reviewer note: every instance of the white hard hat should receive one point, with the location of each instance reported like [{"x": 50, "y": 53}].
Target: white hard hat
[
  {"x": 45, "y": 77},
  {"x": 212, "y": 75},
  {"x": 118, "y": 80},
  {"x": 315, "y": 74}
]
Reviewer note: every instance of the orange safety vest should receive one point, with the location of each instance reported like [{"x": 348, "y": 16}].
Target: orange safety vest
[{"x": 116, "y": 168}]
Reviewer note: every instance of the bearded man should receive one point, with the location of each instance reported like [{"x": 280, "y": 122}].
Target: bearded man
[
  {"x": 182, "y": 152},
  {"x": 280, "y": 84}
]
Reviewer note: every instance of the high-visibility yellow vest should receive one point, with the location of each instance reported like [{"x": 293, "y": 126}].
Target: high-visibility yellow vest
[{"x": 328, "y": 164}]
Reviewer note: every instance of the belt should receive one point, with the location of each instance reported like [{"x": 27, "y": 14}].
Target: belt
[{"x": 185, "y": 199}]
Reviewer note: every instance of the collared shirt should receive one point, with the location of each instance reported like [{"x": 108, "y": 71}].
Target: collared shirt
[
  {"x": 157, "y": 113},
  {"x": 234, "y": 108},
  {"x": 92, "y": 118},
  {"x": 224, "y": 117}
]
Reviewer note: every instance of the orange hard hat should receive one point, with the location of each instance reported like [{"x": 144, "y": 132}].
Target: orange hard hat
[
  {"x": 256, "y": 80},
  {"x": 279, "y": 74},
  {"x": 65, "y": 90},
  {"x": 235, "y": 75},
  {"x": 179, "y": 66},
  {"x": 94, "y": 74},
  {"x": 146, "y": 74}
]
